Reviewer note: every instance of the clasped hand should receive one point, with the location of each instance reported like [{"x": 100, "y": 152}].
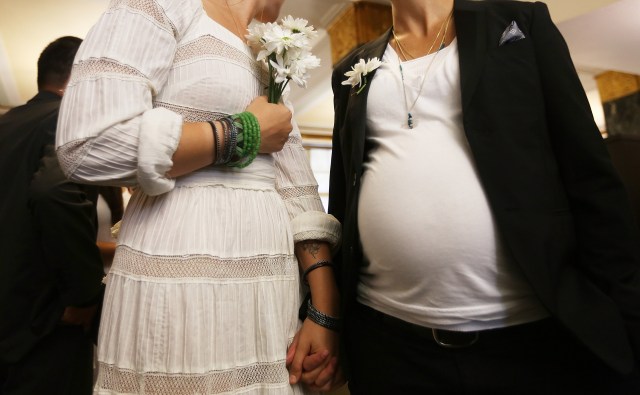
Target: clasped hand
[{"x": 312, "y": 358}]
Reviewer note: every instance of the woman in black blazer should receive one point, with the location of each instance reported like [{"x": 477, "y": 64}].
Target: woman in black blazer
[{"x": 547, "y": 299}]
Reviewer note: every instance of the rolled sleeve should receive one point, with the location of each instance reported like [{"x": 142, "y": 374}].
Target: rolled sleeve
[
  {"x": 160, "y": 132},
  {"x": 316, "y": 225}
]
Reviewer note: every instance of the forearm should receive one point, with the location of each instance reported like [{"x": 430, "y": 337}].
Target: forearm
[
  {"x": 195, "y": 149},
  {"x": 313, "y": 355},
  {"x": 324, "y": 292},
  {"x": 107, "y": 250}
]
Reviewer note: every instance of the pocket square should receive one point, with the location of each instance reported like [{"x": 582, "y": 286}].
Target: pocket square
[{"x": 511, "y": 34}]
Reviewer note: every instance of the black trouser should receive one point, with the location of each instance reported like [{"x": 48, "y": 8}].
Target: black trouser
[
  {"x": 60, "y": 364},
  {"x": 390, "y": 356}
]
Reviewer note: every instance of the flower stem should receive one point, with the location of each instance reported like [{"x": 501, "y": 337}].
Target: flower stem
[{"x": 270, "y": 93}]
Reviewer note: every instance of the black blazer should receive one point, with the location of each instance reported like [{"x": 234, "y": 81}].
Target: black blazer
[
  {"x": 555, "y": 196},
  {"x": 48, "y": 254}
]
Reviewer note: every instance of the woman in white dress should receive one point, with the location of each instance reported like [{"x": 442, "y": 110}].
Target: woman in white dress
[{"x": 204, "y": 290}]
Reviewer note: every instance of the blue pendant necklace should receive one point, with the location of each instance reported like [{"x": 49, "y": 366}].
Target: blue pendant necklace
[{"x": 409, "y": 109}]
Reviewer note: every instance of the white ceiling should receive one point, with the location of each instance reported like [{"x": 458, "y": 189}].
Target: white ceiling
[{"x": 601, "y": 34}]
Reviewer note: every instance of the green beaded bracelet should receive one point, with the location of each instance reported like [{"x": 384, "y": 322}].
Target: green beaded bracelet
[{"x": 248, "y": 142}]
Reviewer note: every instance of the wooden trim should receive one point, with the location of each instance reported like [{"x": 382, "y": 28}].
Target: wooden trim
[
  {"x": 613, "y": 85},
  {"x": 359, "y": 23}
]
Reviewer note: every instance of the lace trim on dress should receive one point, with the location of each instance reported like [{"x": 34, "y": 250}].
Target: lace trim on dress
[
  {"x": 130, "y": 261},
  {"x": 128, "y": 381},
  {"x": 190, "y": 114},
  {"x": 147, "y": 7},
  {"x": 300, "y": 191},
  {"x": 99, "y": 66},
  {"x": 294, "y": 140},
  {"x": 210, "y": 46},
  {"x": 71, "y": 154}
]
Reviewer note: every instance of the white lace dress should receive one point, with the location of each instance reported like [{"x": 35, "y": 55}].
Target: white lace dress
[{"x": 203, "y": 293}]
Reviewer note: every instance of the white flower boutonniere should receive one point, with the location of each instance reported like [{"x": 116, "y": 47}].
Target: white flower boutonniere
[{"x": 358, "y": 74}]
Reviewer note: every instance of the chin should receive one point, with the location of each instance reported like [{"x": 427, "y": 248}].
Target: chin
[{"x": 271, "y": 11}]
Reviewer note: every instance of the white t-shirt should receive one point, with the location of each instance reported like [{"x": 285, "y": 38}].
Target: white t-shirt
[{"x": 434, "y": 252}]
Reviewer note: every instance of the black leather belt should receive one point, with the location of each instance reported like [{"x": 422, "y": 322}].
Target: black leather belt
[
  {"x": 445, "y": 338},
  {"x": 454, "y": 339}
]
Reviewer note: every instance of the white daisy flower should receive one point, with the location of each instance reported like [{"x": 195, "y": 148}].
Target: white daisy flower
[{"x": 357, "y": 76}]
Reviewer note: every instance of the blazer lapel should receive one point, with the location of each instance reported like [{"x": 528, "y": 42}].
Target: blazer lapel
[
  {"x": 471, "y": 28},
  {"x": 356, "y": 109}
]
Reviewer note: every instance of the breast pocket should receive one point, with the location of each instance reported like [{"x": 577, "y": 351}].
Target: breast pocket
[{"x": 510, "y": 78}]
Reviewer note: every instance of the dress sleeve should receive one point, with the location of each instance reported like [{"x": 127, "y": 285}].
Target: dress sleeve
[
  {"x": 298, "y": 188},
  {"x": 108, "y": 131}
]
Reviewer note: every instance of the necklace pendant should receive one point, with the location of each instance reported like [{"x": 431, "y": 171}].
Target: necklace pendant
[{"x": 410, "y": 120}]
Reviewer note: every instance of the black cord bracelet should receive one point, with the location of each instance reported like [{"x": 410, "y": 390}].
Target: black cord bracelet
[{"x": 314, "y": 267}]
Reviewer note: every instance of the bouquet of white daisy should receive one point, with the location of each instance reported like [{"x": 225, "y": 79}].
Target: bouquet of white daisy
[{"x": 285, "y": 48}]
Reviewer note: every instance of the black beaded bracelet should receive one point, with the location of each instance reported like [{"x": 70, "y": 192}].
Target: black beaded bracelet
[
  {"x": 320, "y": 318},
  {"x": 231, "y": 138},
  {"x": 314, "y": 267},
  {"x": 216, "y": 143}
]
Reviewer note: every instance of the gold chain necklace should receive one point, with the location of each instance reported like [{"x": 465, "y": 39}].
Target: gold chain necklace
[
  {"x": 445, "y": 25},
  {"x": 237, "y": 32},
  {"x": 403, "y": 51}
]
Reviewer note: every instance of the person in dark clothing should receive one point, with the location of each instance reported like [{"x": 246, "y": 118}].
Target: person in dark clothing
[
  {"x": 50, "y": 267},
  {"x": 487, "y": 245}
]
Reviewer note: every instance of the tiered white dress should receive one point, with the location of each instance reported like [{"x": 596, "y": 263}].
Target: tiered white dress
[{"x": 203, "y": 293}]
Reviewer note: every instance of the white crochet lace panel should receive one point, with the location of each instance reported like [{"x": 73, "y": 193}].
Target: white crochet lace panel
[
  {"x": 294, "y": 140},
  {"x": 190, "y": 114},
  {"x": 71, "y": 155},
  {"x": 208, "y": 46},
  {"x": 298, "y": 191},
  {"x": 147, "y": 7},
  {"x": 128, "y": 381},
  {"x": 95, "y": 67},
  {"x": 134, "y": 262}
]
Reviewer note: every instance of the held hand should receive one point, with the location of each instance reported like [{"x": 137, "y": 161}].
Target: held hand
[
  {"x": 312, "y": 358},
  {"x": 309, "y": 363},
  {"x": 275, "y": 123},
  {"x": 330, "y": 379}
]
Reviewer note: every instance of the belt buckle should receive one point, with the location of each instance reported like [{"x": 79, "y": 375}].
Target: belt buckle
[{"x": 436, "y": 337}]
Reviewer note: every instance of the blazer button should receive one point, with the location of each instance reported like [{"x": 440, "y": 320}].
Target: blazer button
[{"x": 355, "y": 178}]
